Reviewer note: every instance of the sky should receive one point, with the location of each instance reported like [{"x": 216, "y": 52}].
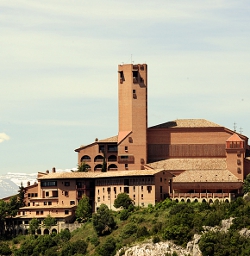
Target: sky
[{"x": 58, "y": 71}]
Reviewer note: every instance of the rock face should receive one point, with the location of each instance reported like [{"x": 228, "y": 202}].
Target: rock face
[
  {"x": 160, "y": 249},
  {"x": 151, "y": 249}
]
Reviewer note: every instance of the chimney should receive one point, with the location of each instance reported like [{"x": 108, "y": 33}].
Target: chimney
[
  {"x": 28, "y": 183},
  {"x": 53, "y": 169},
  {"x": 47, "y": 171}
]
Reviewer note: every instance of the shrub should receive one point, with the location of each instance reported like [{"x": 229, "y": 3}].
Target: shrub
[
  {"x": 124, "y": 214},
  {"x": 107, "y": 248},
  {"x": 156, "y": 239},
  {"x": 142, "y": 232},
  {"x": 128, "y": 230}
]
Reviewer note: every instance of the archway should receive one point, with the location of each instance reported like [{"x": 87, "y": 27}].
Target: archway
[
  {"x": 86, "y": 158},
  {"x": 46, "y": 232},
  {"x": 54, "y": 231},
  {"x": 112, "y": 167}
]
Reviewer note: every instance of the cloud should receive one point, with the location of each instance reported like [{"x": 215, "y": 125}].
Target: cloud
[{"x": 3, "y": 137}]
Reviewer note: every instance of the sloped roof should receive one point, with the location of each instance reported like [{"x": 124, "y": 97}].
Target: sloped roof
[
  {"x": 206, "y": 176},
  {"x": 74, "y": 175},
  {"x": 184, "y": 123},
  {"x": 176, "y": 164},
  {"x": 234, "y": 137},
  {"x": 110, "y": 139}
]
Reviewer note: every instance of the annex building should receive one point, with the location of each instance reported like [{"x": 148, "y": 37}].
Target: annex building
[{"x": 184, "y": 159}]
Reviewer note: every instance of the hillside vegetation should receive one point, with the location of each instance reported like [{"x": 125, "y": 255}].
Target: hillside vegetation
[{"x": 107, "y": 231}]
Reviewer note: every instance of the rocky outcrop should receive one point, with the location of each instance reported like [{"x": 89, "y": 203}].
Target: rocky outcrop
[
  {"x": 160, "y": 249},
  {"x": 150, "y": 249}
]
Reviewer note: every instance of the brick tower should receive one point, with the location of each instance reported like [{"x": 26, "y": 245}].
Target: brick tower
[{"x": 132, "y": 135}]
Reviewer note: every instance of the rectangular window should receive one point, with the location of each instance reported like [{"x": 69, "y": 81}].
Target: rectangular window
[
  {"x": 126, "y": 190},
  {"x": 28, "y": 194},
  {"x": 115, "y": 190},
  {"x": 141, "y": 196},
  {"x": 112, "y": 148},
  {"x": 41, "y": 212},
  {"x": 45, "y": 203},
  {"x": 37, "y": 212},
  {"x": 49, "y": 203},
  {"x": 126, "y": 148},
  {"x": 160, "y": 189},
  {"x": 47, "y": 193},
  {"x": 66, "y": 193},
  {"x": 133, "y": 188},
  {"x": 72, "y": 202},
  {"x": 103, "y": 198},
  {"x": 98, "y": 199},
  {"x": 109, "y": 190},
  {"x": 141, "y": 188},
  {"x": 149, "y": 189},
  {"x": 67, "y": 183},
  {"x": 48, "y": 183},
  {"x": 66, "y": 212}
]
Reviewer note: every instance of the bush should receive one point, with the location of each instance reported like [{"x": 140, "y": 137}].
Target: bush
[
  {"x": 156, "y": 239},
  {"x": 124, "y": 214},
  {"x": 142, "y": 232},
  {"x": 5, "y": 249},
  {"x": 77, "y": 247},
  {"x": 123, "y": 200},
  {"x": 108, "y": 248},
  {"x": 128, "y": 230}
]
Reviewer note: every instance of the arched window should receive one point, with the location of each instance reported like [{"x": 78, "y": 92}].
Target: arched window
[
  {"x": 98, "y": 158},
  {"x": 85, "y": 158},
  {"x": 112, "y": 167},
  {"x": 112, "y": 158},
  {"x": 98, "y": 167}
]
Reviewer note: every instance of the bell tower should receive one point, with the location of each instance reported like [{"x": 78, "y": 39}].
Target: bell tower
[{"x": 132, "y": 98}]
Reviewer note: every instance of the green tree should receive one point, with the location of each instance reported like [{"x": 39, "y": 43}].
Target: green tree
[
  {"x": 20, "y": 195},
  {"x": 83, "y": 167},
  {"x": 246, "y": 185},
  {"x": 5, "y": 249},
  {"x": 48, "y": 222},
  {"x": 108, "y": 247},
  {"x": 83, "y": 210},
  {"x": 122, "y": 200},
  {"x": 33, "y": 225},
  {"x": 3, "y": 213},
  {"x": 103, "y": 220},
  {"x": 104, "y": 164}
]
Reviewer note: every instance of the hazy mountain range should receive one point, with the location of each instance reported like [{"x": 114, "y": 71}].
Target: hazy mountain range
[{"x": 10, "y": 182}]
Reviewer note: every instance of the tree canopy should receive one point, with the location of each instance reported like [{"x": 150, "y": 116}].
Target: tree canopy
[
  {"x": 103, "y": 220},
  {"x": 122, "y": 200},
  {"x": 83, "y": 210}
]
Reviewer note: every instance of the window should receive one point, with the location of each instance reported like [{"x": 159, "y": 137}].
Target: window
[
  {"x": 149, "y": 188},
  {"x": 160, "y": 189},
  {"x": 126, "y": 190},
  {"x": 103, "y": 198},
  {"x": 142, "y": 196},
  {"x": 49, "y": 203},
  {"x": 47, "y": 193},
  {"x": 103, "y": 190},
  {"x": 66, "y": 211},
  {"x": 72, "y": 202},
  {"x": 112, "y": 148},
  {"x": 115, "y": 190},
  {"x": 126, "y": 166},
  {"x": 160, "y": 179},
  {"x": 37, "y": 212},
  {"x": 45, "y": 203},
  {"x": 109, "y": 190},
  {"x": 126, "y": 148},
  {"x": 98, "y": 199},
  {"x": 48, "y": 183},
  {"x": 41, "y": 212},
  {"x": 28, "y": 194},
  {"x": 67, "y": 183},
  {"x": 66, "y": 193},
  {"x": 141, "y": 188},
  {"x": 78, "y": 184},
  {"x": 98, "y": 191},
  {"x": 133, "y": 188},
  {"x": 101, "y": 148}
]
